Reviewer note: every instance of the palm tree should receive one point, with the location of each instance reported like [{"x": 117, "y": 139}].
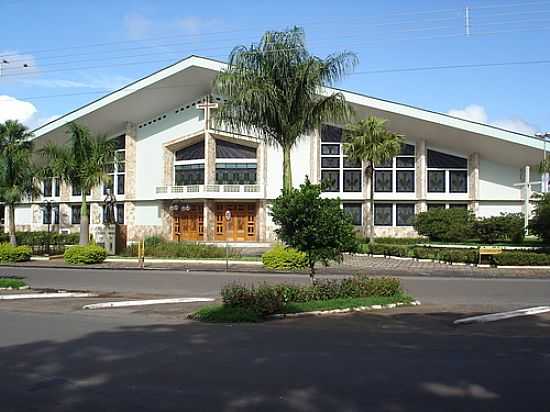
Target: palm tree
[
  {"x": 274, "y": 88},
  {"x": 16, "y": 168},
  {"x": 82, "y": 163},
  {"x": 369, "y": 141}
]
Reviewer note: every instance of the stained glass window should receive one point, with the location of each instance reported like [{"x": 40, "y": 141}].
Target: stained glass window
[
  {"x": 383, "y": 181},
  {"x": 405, "y": 180},
  {"x": 458, "y": 181},
  {"x": 330, "y": 149},
  {"x": 355, "y": 211},
  {"x": 330, "y": 180},
  {"x": 436, "y": 181},
  {"x": 236, "y": 173},
  {"x": 330, "y": 162},
  {"x": 352, "y": 180},
  {"x": 229, "y": 150},
  {"x": 383, "y": 214},
  {"x": 189, "y": 174},
  {"x": 404, "y": 214},
  {"x": 193, "y": 152}
]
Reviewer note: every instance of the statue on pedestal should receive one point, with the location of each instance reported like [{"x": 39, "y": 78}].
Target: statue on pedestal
[{"x": 109, "y": 204}]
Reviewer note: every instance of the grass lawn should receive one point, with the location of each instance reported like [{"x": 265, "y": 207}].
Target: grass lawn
[
  {"x": 225, "y": 314},
  {"x": 11, "y": 283}
]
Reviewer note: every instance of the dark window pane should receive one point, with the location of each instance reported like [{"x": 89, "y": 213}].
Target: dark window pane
[
  {"x": 383, "y": 214},
  {"x": 330, "y": 162},
  {"x": 47, "y": 192},
  {"x": 195, "y": 151},
  {"x": 56, "y": 185},
  {"x": 351, "y": 164},
  {"x": 458, "y": 206},
  {"x": 236, "y": 173},
  {"x": 405, "y": 180},
  {"x": 108, "y": 186},
  {"x": 75, "y": 190},
  {"x": 386, "y": 164},
  {"x": 228, "y": 150},
  {"x": 120, "y": 213},
  {"x": 436, "y": 206},
  {"x": 440, "y": 160},
  {"x": 75, "y": 215},
  {"x": 330, "y": 180},
  {"x": 55, "y": 211},
  {"x": 352, "y": 180},
  {"x": 436, "y": 181},
  {"x": 383, "y": 181},
  {"x": 330, "y": 149},
  {"x": 331, "y": 134},
  {"x": 189, "y": 175},
  {"x": 458, "y": 181},
  {"x": 120, "y": 142},
  {"x": 402, "y": 162},
  {"x": 404, "y": 214},
  {"x": 120, "y": 185},
  {"x": 46, "y": 216},
  {"x": 355, "y": 210},
  {"x": 407, "y": 150}
]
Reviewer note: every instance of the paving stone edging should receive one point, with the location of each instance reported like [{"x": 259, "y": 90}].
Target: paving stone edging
[{"x": 347, "y": 310}]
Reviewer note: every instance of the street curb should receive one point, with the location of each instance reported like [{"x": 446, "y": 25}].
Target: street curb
[
  {"x": 147, "y": 302},
  {"x": 57, "y": 295},
  {"x": 189, "y": 261},
  {"x": 493, "y": 317},
  {"x": 348, "y": 310}
]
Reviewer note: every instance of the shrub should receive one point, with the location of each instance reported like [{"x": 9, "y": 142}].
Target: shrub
[
  {"x": 540, "y": 223},
  {"x": 522, "y": 259},
  {"x": 12, "y": 254},
  {"x": 284, "y": 258},
  {"x": 397, "y": 240},
  {"x": 85, "y": 254},
  {"x": 453, "y": 224},
  {"x": 157, "y": 247},
  {"x": 506, "y": 227},
  {"x": 268, "y": 299}
]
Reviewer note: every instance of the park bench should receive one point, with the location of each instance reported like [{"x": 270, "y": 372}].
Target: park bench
[{"x": 488, "y": 251}]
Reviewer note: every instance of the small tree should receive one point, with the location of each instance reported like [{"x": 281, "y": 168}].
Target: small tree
[
  {"x": 369, "y": 141},
  {"x": 16, "y": 168},
  {"x": 448, "y": 225},
  {"x": 540, "y": 223},
  {"x": 313, "y": 225}
]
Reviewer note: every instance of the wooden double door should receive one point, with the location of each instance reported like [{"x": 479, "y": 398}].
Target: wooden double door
[
  {"x": 242, "y": 225},
  {"x": 189, "y": 225}
]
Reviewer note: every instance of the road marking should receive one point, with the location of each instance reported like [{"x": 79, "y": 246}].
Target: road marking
[
  {"x": 128, "y": 303},
  {"x": 492, "y": 317},
  {"x": 47, "y": 295}
]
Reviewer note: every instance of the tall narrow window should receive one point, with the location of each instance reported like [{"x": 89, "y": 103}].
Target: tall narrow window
[
  {"x": 338, "y": 172},
  {"x": 117, "y": 169}
]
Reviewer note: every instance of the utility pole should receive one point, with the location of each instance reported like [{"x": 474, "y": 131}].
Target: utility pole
[
  {"x": 544, "y": 136},
  {"x": 467, "y": 20}
]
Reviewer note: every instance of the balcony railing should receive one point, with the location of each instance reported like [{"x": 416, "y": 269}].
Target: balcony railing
[{"x": 210, "y": 191}]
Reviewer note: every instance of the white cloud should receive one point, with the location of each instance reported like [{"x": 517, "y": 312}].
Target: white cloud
[
  {"x": 477, "y": 113},
  {"x": 137, "y": 26},
  {"x": 14, "y": 109},
  {"x": 196, "y": 24}
]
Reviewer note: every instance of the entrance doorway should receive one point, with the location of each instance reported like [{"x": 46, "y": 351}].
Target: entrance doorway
[
  {"x": 189, "y": 225},
  {"x": 241, "y": 227}
]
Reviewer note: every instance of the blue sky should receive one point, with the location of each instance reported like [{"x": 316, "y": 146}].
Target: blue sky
[{"x": 77, "y": 51}]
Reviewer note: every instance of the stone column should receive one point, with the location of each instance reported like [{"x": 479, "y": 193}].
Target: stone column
[
  {"x": 168, "y": 176},
  {"x": 315, "y": 158},
  {"x": 130, "y": 158},
  {"x": 261, "y": 227},
  {"x": 209, "y": 220},
  {"x": 209, "y": 159},
  {"x": 421, "y": 176},
  {"x": 130, "y": 220},
  {"x": 473, "y": 182}
]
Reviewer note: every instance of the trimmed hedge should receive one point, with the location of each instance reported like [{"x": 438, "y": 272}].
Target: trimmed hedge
[
  {"x": 522, "y": 259},
  {"x": 449, "y": 225},
  {"x": 85, "y": 254},
  {"x": 158, "y": 247},
  {"x": 284, "y": 258},
  {"x": 13, "y": 254},
  {"x": 269, "y": 299}
]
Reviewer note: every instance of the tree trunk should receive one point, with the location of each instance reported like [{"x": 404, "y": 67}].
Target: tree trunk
[
  {"x": 84, "y": 221},
  {"x": 371, "y": 214},
  {"x": 11, "y": 228},
  {"x": 287, "y": 170}
]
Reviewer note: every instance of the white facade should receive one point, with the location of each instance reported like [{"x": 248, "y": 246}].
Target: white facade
[{"x": 454, "y": 163}]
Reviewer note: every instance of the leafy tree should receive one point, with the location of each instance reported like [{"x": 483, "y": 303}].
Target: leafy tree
[
  {"x": 16, "y": 168},
  {"x": 313, "y": 225},
  {"x": 370, "y": 142},
  {"x": 540, "y": 223},
  {"x": 506, "y": 226},
  {"x": 82, "y": 163},
  {"x": 274, "y": 88}
]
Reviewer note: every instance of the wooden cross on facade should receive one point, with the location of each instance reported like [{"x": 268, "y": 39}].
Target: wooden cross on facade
[{"x": 207, "y": 106}]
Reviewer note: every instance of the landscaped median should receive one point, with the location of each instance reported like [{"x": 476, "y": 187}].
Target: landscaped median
[
  {"x": 12, "y": 283},
  {"x": 242, "y": 303}
]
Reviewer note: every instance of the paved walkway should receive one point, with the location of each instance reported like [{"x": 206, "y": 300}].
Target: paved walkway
[{"x": 378, "y": 266}]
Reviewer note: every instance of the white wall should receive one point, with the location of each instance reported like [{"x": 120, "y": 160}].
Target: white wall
[
  {"x": 150, "y": 146},
  {"x": 274, "y": 175},
  {"x": 23, "y": 215},
  {"x": 495, "y": 209},
  {"x": 496, "y": 181},
  {"x": 148, "y": 214}
]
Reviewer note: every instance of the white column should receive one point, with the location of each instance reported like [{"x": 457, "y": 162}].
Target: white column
[
  {"x": 526, "y": 204},
  {"x": 473, "y": 181},
  {"x": 421, "y": 176}
]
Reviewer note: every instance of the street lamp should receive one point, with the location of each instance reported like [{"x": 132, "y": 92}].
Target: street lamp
[{"x": 544, "y": 136}]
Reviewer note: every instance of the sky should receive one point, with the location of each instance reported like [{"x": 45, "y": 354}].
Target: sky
[{"x": 412, "y": 52}]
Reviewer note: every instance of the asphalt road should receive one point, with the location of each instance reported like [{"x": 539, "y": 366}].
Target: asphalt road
[{"x": 411, "y": 359}]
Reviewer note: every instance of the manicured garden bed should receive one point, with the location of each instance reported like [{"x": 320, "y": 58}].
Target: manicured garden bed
[{"x": 242, "y": 303}]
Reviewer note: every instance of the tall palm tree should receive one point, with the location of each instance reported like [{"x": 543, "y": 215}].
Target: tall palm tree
[
  {"x": 370, "y": 142},
  {"x": 82, "y": 163},
  {"x": 16, "y": 168},
  {"x": 274, "y": 89}
]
